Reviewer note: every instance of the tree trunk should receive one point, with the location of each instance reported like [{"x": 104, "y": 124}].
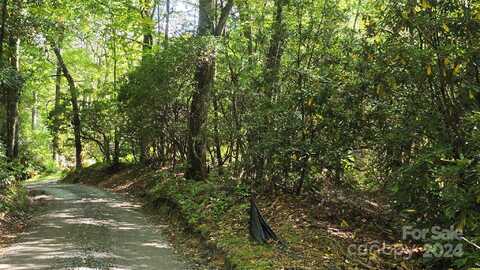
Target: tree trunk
[
  {"x": 13, "y": 93},
  {"x": 217, "y": 140},
  {"x": 116, "y": 148},
  {"x": 56, "y": 120},
  {"x": 275, "y": 50},
  {"x": 167, "y": 22},
  {"x": 35, "y": 111},
  {"x": 147, "y": 43},
  {"x": 147, "y": 29},
  {"x": 106, "y": 150},
  {"x": 4, "y": 91},
  {"x": 13, "y": 97},
  {"x": 116, "y": 136},
  {"x": 204, "y": 76},
  {"x": 271, "y": 86},
  {"x": 77, "y": 129},
  {"x": 197, "y": 168},
  {"x": 2, "y": 30}
]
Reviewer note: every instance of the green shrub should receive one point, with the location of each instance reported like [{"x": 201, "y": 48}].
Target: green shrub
[{"x": 14, "y": 198}]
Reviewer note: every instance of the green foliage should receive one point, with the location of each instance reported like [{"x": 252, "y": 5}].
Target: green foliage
[
  {"x": 13, "y": 198},
  {"x": 11, "y": 78},
  {"x": 13, "y": 195},
  {"x": 208, "y": 207},
  {"x": 11, "y": 172},
  {"x": 165, "y": 94},
  {"x": 366, "y": 95},
  {"x": 421, "y": 106}
]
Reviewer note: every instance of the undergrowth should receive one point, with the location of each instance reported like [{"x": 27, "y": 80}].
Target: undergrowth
[
  {"x": 316, "y": 234},
  {"x": 219, "y": 213},
  {"x": 14, "y": 198}
]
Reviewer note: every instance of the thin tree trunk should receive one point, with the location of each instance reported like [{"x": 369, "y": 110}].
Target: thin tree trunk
[
  {"x": 116, "y": 136},
  {"x": 271, "y": 85},
  {"x": 275, "y": 51},
  {"x": 106, "y": 148},
  {"x": 147, "y": 43},
  {"x": 16, "y": 146},
  {"x": 357, "y": 15},
  {"x": 116, "y": 148},
  {"x": 146, "y": 13},
  {"x": 56, "y": 121},
  {"x": 12, "y": 118},
  {"x": 4, "y": 91},
  {"x": 35, "y": 111},
  {"x": 2, "y": 29},
  {"x": 303, "y": 160},
  {"x": 217, "y": 140},
  {"x": 167, "y": 22},
  {"x": 77, "y": 129}
]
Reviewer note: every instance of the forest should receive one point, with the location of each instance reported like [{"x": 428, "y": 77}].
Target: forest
[{"x": 365, "y": 111}]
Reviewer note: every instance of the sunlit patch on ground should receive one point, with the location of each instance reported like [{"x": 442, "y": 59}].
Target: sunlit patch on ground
[{"x": 86, "y": 228}]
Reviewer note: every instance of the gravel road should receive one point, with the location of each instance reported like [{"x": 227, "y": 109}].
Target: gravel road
[{"x": 83, "y": 227}]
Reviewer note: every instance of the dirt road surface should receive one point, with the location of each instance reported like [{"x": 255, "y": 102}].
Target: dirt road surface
[{"x": 83, "y": 227}]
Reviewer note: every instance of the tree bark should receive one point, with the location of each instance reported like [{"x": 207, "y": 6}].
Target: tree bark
[
  {"x": 2, "y": 29},
  {"x": 35, "y": 111},
  {"x": 197, "y": 168},
  {"x": 275, "y": 51},
  {"x": 167, "y": 22},
  {"x": 77, "y": 128},
  {"x": 4, "y": 97},
  {"x": 147, "y": 29},
  {"x": 116, "y": 136},
  {"x": 147, "y": 43},
  {"x": 116, "y": 148},
  {"x": 56, "y": 120},
  {"x": 204, "y": 76},
  {"x": 217, "y": 140},
  {"x": 13, "y": 92},
  {"x": 106, "y": 150},
  {"x": 13, "y": 97}
]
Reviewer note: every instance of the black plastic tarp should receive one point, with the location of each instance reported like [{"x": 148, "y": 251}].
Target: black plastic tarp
[{"x": 259, "y": 228}]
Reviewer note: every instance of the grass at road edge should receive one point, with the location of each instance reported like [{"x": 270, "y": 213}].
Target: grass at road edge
[{"x": 46, "y": 177}]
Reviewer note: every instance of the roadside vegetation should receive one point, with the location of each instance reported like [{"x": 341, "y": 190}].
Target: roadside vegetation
[
  {"x": 318, "y": 230},
  {"x": 13, "y": 200},
  {"x": 216, "y": 212}
]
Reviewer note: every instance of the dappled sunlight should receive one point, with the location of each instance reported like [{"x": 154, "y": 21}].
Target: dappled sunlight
[
  {"x": 157, "y": 245},
  {"x": 63, "y": 214},
  {"x": 95, "y": 230},
  {"x": 125, "y": 205},
  {"x": 340, "y": 233},
  {"x": 92, "y": 200}
]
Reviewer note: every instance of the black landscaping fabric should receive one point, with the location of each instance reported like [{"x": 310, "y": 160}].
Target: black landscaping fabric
[{"x": 259, "y": 228}]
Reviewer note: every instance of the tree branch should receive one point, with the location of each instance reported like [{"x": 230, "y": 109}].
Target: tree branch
[{"x": 223, "y": 18}]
